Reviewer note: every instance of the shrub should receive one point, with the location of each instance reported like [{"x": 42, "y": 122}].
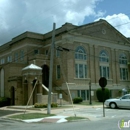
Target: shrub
[
  {"x": 77, "y": 100},
  {"x": 4, "y": 101},
  {"x": 54, "y": 105},
  {"x": 42, "y": 105},
  {"x": 99, "y": 94}
]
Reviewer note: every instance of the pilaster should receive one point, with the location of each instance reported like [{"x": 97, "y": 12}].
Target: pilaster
[
  {"x": 96, "y": 57},
  {"x": 117, "y": 72},
  {"x": 91, "y": 64}
]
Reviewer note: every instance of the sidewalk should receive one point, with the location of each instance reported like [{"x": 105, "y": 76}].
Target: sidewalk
[{"x": 60, "y": 112}]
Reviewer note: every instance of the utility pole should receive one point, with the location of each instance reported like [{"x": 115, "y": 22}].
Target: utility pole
[
  {"x": 90, "y": 100},
  {"x": 51, "y": 71}
]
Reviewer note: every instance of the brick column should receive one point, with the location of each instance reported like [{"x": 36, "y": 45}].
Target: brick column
[
  {"x": 97, "y": 71},
  {"x": 113, "y": 66},
  {"x": 92, "y": 73},
  {"x": 30, "y": 88},
  {"x": 117, "y": 67},
  {"x": 39, "y": 86}
]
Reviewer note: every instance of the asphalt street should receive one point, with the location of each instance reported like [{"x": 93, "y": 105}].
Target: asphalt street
[
  {"x": 8, "y": 112},
  {"x": 106, "y": 124},
  {"x": 95, "y": 114}
]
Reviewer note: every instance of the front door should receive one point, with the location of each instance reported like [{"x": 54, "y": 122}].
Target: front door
[
  {"x": 45, "y": 75},
  {"x": 12, "y": 95}
]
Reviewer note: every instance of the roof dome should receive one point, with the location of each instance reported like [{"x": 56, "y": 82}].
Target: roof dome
[{"x": 32, "y": 67}]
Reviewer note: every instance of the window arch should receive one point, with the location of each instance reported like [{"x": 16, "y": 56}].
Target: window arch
[
  {"x": 80, "y": 63},
  {"x": 103, "y": 56},
  {"x": 123, "y": 59},
  {"x": 104, "y": 64},
  {"x": 80, "y": 53},
  {"x": 123, "y": 67}
]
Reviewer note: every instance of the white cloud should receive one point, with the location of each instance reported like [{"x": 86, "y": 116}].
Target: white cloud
[
  {"x": 121, "y": 22},
  {"x": 17, "y": 16}
]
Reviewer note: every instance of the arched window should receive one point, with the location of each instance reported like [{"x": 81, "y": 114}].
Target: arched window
[
  {"x": 80, "y": 53},
  {"x": 104, "y": 64},
  {"x": 123, "y": 67},
  {"x": 80, "y": 63},
  {"x": 103, "y": 56},
  {"x": 123, "y": 59}
]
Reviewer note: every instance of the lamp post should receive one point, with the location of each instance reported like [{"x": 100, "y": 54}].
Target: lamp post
[{"x": 90, "y": 101}]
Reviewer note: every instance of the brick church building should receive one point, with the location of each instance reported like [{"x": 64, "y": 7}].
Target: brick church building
[{"x": 82, "y": 55}]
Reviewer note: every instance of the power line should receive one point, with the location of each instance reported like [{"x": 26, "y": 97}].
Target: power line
[{"x": 89, "y": 56}]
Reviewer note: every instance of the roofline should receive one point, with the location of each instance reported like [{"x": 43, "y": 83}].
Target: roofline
[
  {"x": 67, "y": 27},
  {"x": 63, "y": 29},
  {"x": 116, "y": 30},
  {"x": 104, "y": 21}
]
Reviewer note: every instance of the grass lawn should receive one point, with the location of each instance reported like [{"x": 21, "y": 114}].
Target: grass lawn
[
  {"x": 30, "y": 116},
  {"x": 41, "y": 115},
  {"x": 74, "y": 118},
  {"x": 93, "y": 103}
]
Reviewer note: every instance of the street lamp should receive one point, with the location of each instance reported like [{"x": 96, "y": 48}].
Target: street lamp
[{"x": 90, "y": 101}]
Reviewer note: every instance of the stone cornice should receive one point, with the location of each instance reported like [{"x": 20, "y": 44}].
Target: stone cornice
[{"x": 96, "y": 41}]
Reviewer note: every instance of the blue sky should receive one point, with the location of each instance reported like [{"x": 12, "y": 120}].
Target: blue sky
[
  {"x": 111, "y": 7},
  {"x": 18, "y": 16},
  {"x": 115, "y": 6}
]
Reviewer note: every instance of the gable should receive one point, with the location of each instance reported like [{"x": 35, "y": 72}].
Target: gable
[{"x": 103, "y": 30}]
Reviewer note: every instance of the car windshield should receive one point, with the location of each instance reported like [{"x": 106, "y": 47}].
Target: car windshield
[{"x": 125, "y": 97}]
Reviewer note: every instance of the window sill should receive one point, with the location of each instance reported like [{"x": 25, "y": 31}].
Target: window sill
[
  {"x": 82, "y": 78},
  {"x": 109, "y": 79},
  {"x": 124, "y": 80}
]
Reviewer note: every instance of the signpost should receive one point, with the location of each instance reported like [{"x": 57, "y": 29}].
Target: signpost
[{"x": 103, "y": 83}]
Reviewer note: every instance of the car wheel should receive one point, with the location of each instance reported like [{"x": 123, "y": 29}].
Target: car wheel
[{"x": 113, "y": 105}]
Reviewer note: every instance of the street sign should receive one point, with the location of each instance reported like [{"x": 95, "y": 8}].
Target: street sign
[{"x": 102, "y": 82}]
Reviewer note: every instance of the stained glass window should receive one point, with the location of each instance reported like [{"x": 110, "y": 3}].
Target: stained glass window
[
  {"x": 103, "y": 57},
  {"x": 123, "y": 67},
  {"x": 123, "y": 59},
  {"x": 81, "y": 70},
  {"x": 104, "y": 64},
  {"x": 80, "y": 53}
]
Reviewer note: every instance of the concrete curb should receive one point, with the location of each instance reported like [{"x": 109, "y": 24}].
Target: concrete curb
[{"x": 19, "y": 120}]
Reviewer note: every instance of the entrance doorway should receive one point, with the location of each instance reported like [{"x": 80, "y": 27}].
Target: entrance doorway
[
  {"x": 45, "y": 75},
  {"x": 12, "y": 93}
]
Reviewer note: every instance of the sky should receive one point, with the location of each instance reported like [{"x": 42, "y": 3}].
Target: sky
[{"x": 18, "y": 16}]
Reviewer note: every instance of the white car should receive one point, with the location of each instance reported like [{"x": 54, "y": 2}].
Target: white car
[{"x": 123, "y": 102}]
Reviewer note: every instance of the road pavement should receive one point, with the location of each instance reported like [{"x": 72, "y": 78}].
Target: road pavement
[
  {"x": 95, "y": 121},
  {"x": 90, "y": 112}
]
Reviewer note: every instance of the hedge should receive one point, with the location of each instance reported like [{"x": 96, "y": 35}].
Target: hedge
[
  {"x": 4, "y": 101},
  {"x": 99, "y": 94},
  {"x": 77, "y": 100},
  {"x": 42, "y": 105}
]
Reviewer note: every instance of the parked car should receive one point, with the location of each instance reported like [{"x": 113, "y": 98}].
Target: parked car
[{"x": 122, "y": 102}]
